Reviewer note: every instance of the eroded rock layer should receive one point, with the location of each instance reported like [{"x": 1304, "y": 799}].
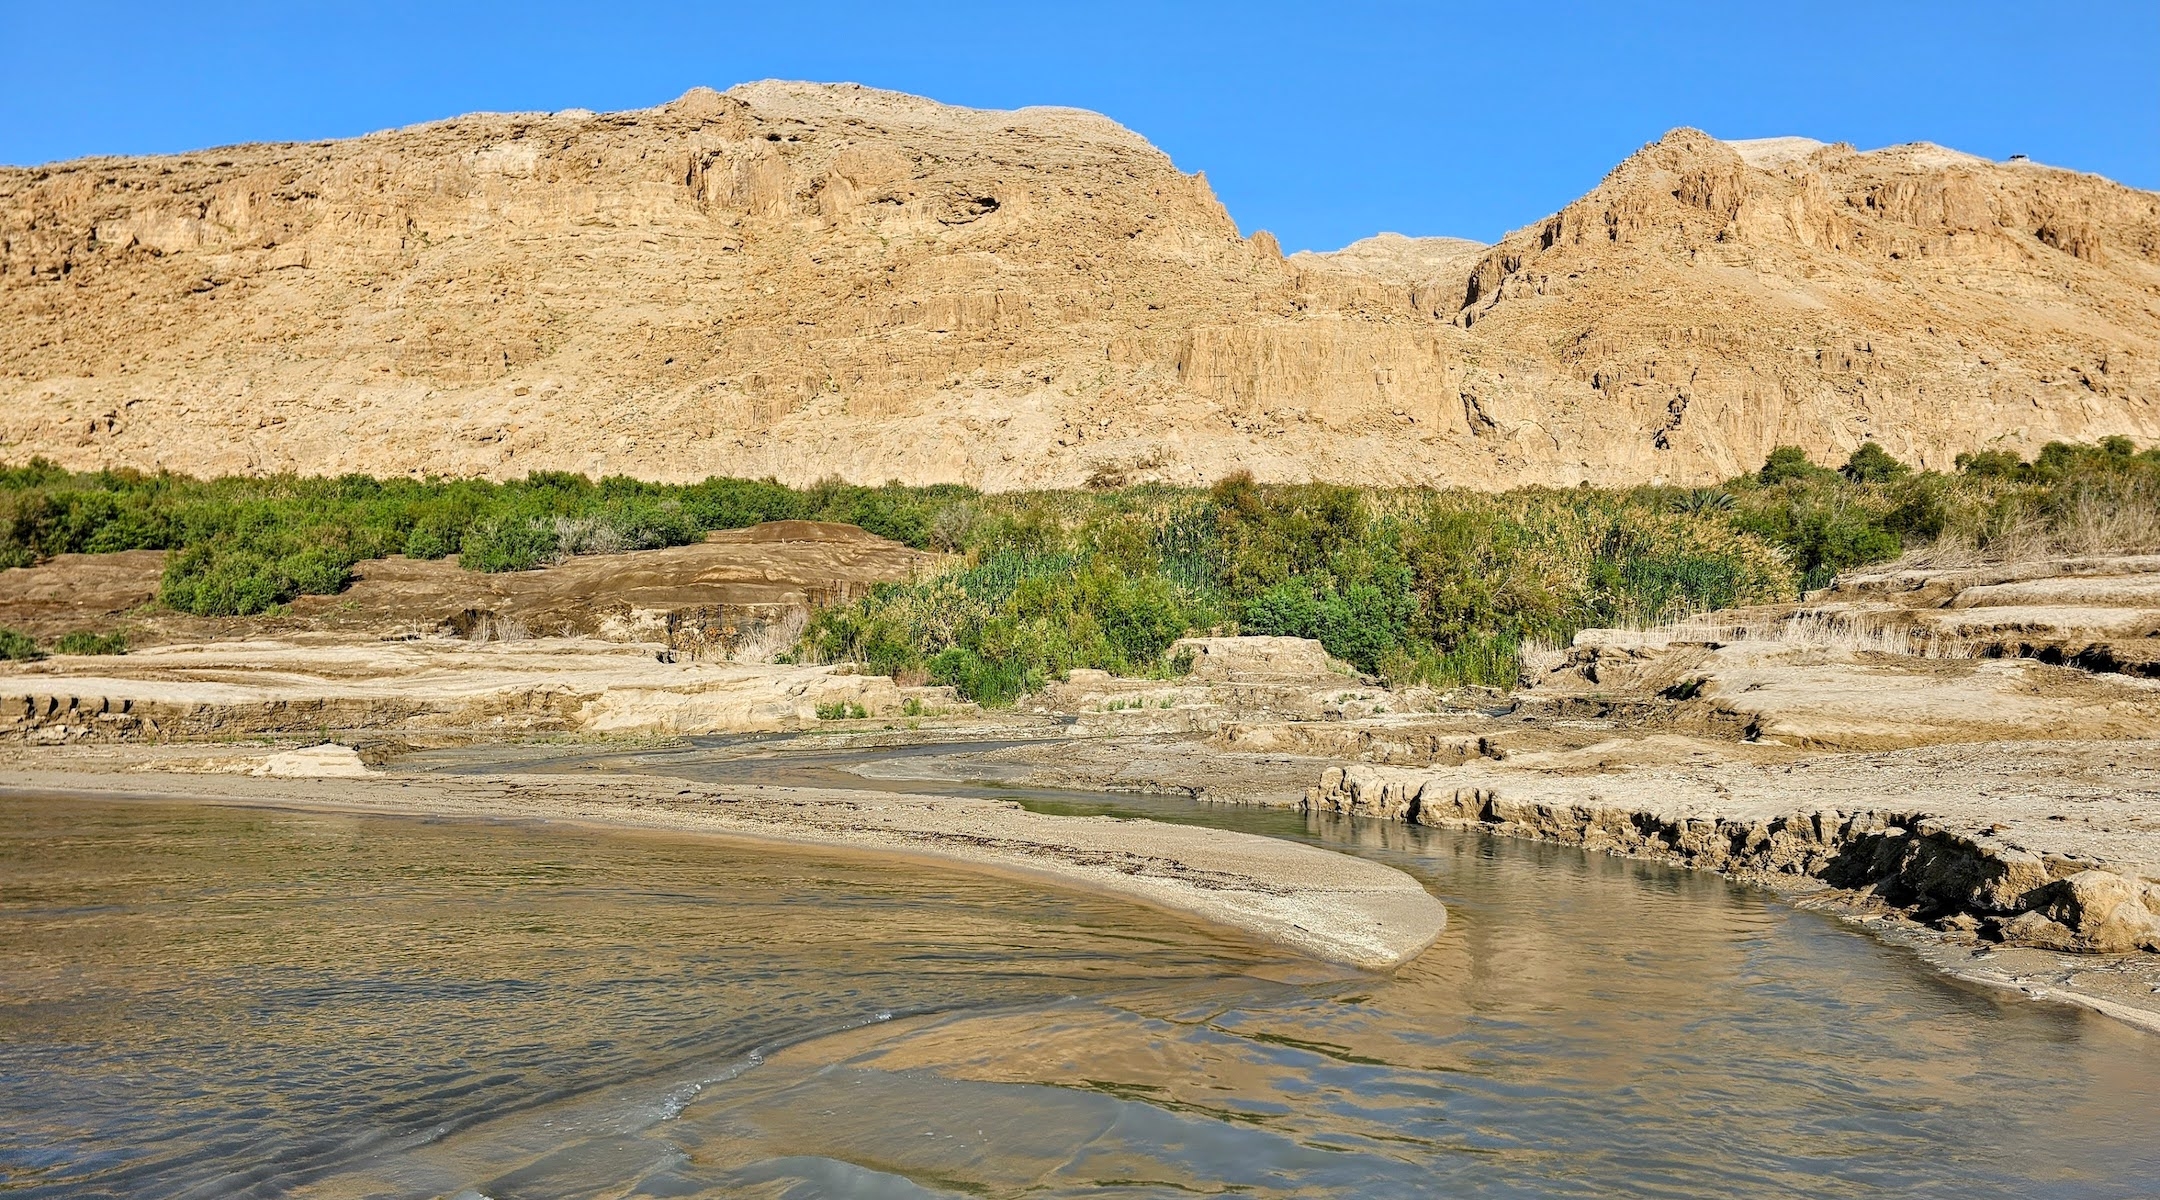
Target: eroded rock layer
[{"x": 806, "y": 280}]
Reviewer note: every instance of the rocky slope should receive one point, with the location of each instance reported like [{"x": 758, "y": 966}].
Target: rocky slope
[
  {"x": 803, "y": 280},
  {"x": 1733, "y": 296}
]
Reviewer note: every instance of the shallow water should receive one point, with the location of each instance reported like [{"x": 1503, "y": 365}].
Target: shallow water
[{"x": 209, "y": 1001}]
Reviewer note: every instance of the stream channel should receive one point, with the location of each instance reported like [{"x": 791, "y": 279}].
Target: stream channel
[{"x": 208, "y": 1001}]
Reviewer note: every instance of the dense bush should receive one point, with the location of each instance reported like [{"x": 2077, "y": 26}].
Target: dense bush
[
  {"x": 84, "y": 642},
  {"x": 247, "y": 545},
  {"x": 2068, "y": 499},
  {"x": 1445, "y": 587},
  {"x": 1413, "y": 584},
  {"x": 16, "y": 646}
]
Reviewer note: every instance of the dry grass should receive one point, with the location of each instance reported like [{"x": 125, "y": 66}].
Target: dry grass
[
  {"x": 769, "y": 641},
  {"x": 2123, "y": 518},
  {"x": 1875, "y": 633},
  {"x": 1864, "y": 633},
  {"x": 493, "y": 627}
]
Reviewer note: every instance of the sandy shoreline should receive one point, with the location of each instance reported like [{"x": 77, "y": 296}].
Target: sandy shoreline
[
  {"x": 2080, "y": 803},
  {"x": 1332, "y": 906}
]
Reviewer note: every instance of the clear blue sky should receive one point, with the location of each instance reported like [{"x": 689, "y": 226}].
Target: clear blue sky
[{"x": 1322, "y": 122}]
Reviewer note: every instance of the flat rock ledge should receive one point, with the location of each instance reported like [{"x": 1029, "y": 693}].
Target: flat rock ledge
[
  {"x": 1946, "y": 834},
  {"x": 1332, "y": 906}
]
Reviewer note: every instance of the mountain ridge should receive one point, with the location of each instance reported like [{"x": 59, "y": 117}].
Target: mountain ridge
[{"x": 804, "y": 280}]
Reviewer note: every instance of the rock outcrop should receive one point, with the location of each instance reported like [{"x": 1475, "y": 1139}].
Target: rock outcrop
[
  {"x": 1943, "y": 854},
  {"x": 1975, "y": 746},
  {"x": 322, "y": 682},
  {"x": 804, "y": 280},
  {"x": 1733, "y": 296}
]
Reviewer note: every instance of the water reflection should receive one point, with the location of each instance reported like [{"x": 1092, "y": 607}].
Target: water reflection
[{"x": 246, "y": 1002}]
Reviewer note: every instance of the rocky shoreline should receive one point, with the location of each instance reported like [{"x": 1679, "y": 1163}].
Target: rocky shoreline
[
  {"x": 1964, "y": 870},
  {"x": 1955, "y": 881}
]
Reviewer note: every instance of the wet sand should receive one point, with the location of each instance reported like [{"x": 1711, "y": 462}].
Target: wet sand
[{"x": 1332, "y": 906}]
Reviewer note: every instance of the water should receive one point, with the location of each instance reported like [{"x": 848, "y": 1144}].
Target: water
[{"x": 209, "y": 1001}]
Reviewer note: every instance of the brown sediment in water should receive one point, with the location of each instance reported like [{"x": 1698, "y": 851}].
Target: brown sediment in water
[{"x": 1333, "y": 906}]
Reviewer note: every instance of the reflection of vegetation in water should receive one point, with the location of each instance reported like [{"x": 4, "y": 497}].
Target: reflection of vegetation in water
[{"x": 1414, "y": 585}]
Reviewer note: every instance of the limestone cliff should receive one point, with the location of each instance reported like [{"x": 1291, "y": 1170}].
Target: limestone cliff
[
  {"x": 1732, "y": 296},
  {"x": 803, "y": 280}
]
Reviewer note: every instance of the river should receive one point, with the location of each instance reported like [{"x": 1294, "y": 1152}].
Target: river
[{"x": 208, "y": 1001}]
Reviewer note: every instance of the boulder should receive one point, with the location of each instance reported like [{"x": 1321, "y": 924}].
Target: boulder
[
  {"x": 1238, "y": 659},
  {"x": 2097, "y": 912}
]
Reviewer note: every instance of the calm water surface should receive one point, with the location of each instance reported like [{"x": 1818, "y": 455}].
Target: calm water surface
[{"x": 200, "y": 1001}]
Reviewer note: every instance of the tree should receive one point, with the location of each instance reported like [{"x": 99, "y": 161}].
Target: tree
[
  {"x": 1873, "y": 464},
  {"x": 1788, "y": 462}
]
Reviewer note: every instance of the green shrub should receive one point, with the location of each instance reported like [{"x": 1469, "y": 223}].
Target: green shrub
[
  {"x": 226, "y": 580},
  {"x": 1415, "y": 585},
  {"x": 512, "y": 542},
  {"x": 981, "y": 680},
  {"x": 18, "y": 647},
  {"x": 1288, "y": 608},
  {"x": 83, "y": 642},
  {"x": 1787, "y": 463},
  {"x": 1994, "y": 464},
  {"x": 1871, "y": 464}
]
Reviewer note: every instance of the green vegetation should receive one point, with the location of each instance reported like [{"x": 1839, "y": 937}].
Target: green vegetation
[
  {"x": 1414, "y": 585},
  {"x": 1444, "y": 587},
  {"x": 841, "y": 710},
  {"x": 2068, "y": 499},
  {"x": 245, "y": 545},
  {"x": 83, "y": 642},
  {"x": 18, "y": 647}
]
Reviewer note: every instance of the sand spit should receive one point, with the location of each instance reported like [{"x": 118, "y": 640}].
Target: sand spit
[{"x": 1332, "y": 906}]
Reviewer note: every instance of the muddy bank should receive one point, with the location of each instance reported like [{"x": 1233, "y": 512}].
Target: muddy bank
[
  {"x": 2012, "y": 854},
  {"x": 1332, "y": 906},
  {"x": 2028, "y": 866},
  {"x": 2030, "y": 856}
]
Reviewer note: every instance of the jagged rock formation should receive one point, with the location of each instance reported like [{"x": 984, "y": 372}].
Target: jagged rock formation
[{"x": 803, "y": 280}]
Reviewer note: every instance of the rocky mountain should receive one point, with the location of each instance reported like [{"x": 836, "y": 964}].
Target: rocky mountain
[{"x": 807, "y": 280}]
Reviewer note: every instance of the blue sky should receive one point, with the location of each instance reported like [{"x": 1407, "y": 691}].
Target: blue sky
[{"x": 1324, "y": 123}]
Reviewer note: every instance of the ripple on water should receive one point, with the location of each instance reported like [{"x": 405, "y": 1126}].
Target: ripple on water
[{"x": 217, "y": 1001}]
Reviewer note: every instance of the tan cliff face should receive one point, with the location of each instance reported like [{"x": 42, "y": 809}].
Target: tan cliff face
[
  {"x": 805, "y": 280},
  {"x": 1735, "y": 296}
]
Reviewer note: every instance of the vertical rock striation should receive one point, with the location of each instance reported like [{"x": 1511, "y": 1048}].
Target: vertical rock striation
[{"x": 803, "y": 280}]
